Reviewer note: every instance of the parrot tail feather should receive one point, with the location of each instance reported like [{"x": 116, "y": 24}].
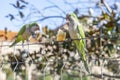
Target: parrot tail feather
[
  {"x": 13, "y": 44},
  {"x": 86, "y": 66},
  {"x": 83, "y": 58}
]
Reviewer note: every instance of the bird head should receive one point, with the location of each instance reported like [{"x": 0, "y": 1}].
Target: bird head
[
  {"x": 35, "y": 27},
  {"x": 71, "y": 17}
]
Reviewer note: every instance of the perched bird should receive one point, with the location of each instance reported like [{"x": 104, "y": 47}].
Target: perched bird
[
  {"x": 76, "y": 32},
  {"x": 25, "y": 32}
]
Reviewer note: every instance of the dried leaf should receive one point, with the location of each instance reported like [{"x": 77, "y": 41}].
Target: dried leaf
[
  {"x": 61, "y": 35},
  {"x": 23, "y": 1},
  {"x": 18, "y": 4},
  {"x": 22, "y": 7},
  {"x": 45, "y": 29},
  {"x": 106, "y": 16},
  {"x": 21, "y": 14},
  {"x": 13, "y": 5},
  {"x": 11, "y": 16}
]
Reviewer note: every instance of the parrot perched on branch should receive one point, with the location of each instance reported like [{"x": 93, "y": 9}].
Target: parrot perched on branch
[
  {"x": 76, "y": 32},
  {"x": 25, "y": 32}
]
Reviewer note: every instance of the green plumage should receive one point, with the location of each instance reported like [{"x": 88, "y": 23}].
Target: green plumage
[
  {"x": 24, "y": 33},
  {"x": 76, "y": 32},
  {"x": 18, "y": 39}
]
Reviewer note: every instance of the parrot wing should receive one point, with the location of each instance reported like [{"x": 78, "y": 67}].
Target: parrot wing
[
  {"x": 19, "y": 36},
  {"x": 22, "y": 30},
  {"x": 80, "y": 44},
  {"x": 81, "y": 33}
]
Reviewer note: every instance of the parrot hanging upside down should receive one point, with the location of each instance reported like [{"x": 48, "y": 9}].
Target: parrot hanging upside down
[
  {"x": 76, "y": 32},
  {"x": 25, "y": 32}
]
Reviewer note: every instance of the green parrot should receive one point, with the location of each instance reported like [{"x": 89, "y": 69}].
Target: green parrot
[
  {"x": 25, "y": 32},
  {"x": 76, "y": 32}
]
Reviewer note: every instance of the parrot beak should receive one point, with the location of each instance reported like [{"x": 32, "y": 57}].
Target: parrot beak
[{"x": 33, "y": 35}]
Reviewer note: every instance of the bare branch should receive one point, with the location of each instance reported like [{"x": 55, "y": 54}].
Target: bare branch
[
  {"x": 107, "y": 7},
  {"x": 105, "y": 75},
  {"x": 64, "y": 12},
  {"x": 32, "y": 6},
  {"x": 69, "y": 4},
  {"x": 48, "y": 17}
]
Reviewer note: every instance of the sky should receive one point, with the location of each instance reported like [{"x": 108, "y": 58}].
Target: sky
[
  {"x": 6, "y": 8},
  {"x": 43, "y": 7}
]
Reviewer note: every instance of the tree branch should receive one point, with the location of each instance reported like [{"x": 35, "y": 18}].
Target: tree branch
[
  {"x": 48, "y": 17},
  {"x": 57, "y": 7},
  {"x": 105, "y": 75}
]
